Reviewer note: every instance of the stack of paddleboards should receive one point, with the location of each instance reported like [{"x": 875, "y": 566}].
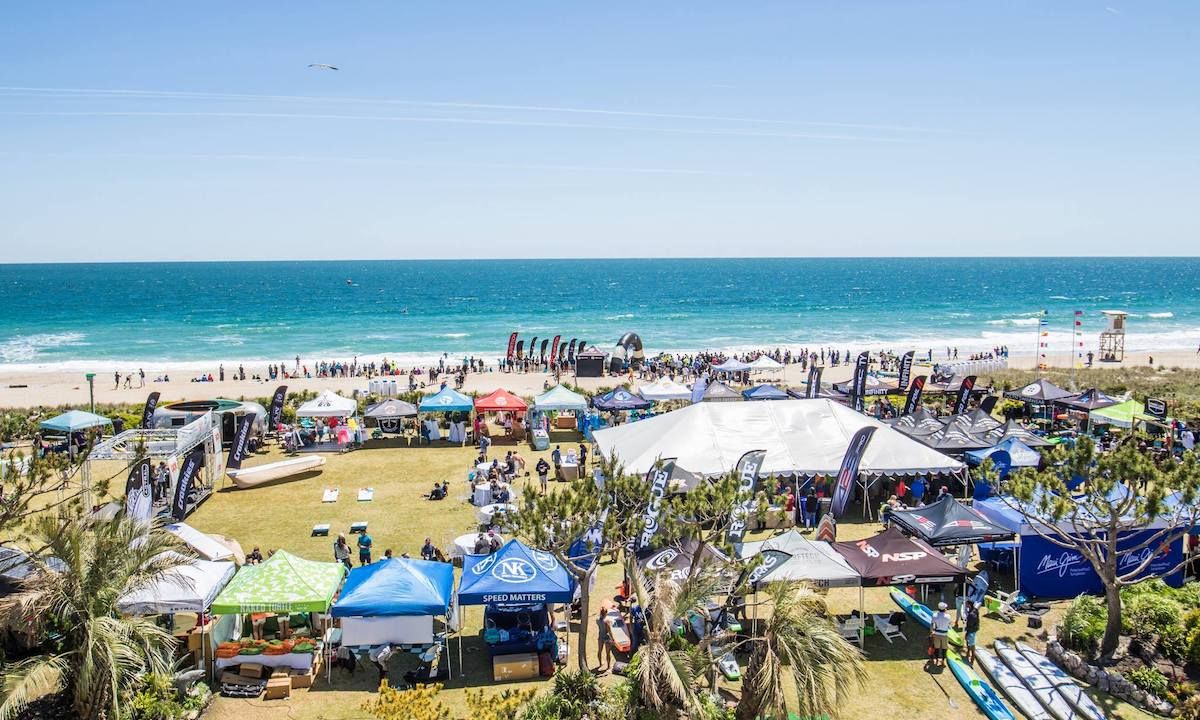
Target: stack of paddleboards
[{"x": 1036, "y": 686}]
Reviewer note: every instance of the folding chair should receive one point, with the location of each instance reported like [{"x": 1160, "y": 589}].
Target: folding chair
[
  {"x": 889, "y": 626},
  {"x": 1004, "y": 604},
  {"x": 852, "y": 630}
]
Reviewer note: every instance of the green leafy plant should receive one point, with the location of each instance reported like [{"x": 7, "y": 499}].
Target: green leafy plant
[
  {"x": 1148, "y": 615},
  {"x": 1149, "y": 679},
  {"x": 1083, "y": 624},
  {"x": 1173, "y": 643}
]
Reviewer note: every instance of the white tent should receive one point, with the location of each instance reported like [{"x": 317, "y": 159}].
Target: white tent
[
  {"x": 664, "y": 389},
  {"x": 813, "y": 562},
  {"x": 328, "y": 404},
  {"x": 731, "y": 365},
  {"x": 190, "y": 587},
  {"x": 205, "y": 546},
  {"x": 763, "y": 363},
  {"x": 558, "y": 399},
  {"x": 807, "y": 437}
]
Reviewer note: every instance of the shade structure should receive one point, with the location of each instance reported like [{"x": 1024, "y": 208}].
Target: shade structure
[
  {"x": 396, "y": 586},
  {"x": 1088, "y": 400},
  {"x": 918, "y": 423},
  {"x": 812, "y": 562},
  {"x": 1013, "y": 429},
  {"x": 763, "y": 363},
  {"x": 765, "y": 392},
  {"x": 282, "y": 583},
  {"x": 514, "y": 575},
  {"x": 676, "y": 561},
  {"x": 665, "y": 389},
  {"x": 327, "y": 404},
  {"x": 720, "y": 392},
  {"x": 560, "y": 399},
  {"x": 953, "y": 440},
  {"x": 872, "y": 385},
  {"x": 74, "y": 421},
  {"x": 16, "y": 564},
  {"x": 1123, "y": 415},
  {"x": 806, "y": 437},
  {"x": 619, "y": 399},
  {"x": 1040, "y": 391},
  {"x": 205, "y": 546},
  {"x": 190, "y": 587},
  {"x": 975, "y": 422},
  {"x": 1021, "y": 454},
  {"x": 447, "y": 400},
  {"x": 390, "y": 408},
  {"x": 732, "y": 365},
  {"x": 893, "y": 558},
  {"x": 499, "y": 401},
  {"x": 949, "y": 522}
]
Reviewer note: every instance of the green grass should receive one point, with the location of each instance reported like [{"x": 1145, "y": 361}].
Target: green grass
[{"x": 282, "y": 515}]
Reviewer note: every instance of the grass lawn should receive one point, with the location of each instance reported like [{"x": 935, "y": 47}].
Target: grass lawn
[{"x": 282, "y": 515}]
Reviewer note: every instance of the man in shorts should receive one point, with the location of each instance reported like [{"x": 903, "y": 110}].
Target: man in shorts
[
  {"x": 939, "y": 634},
  {"x": 604, "y": 656},
  {"x": 971, "y": 628},
  {"x": 364, "y": 548}
]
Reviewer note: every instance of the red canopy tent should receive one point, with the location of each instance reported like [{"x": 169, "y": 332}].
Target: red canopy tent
[{"x": 500, "y": 401}]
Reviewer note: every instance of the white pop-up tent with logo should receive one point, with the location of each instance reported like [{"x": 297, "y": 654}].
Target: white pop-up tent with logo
[{"x": 328, "y": 404}]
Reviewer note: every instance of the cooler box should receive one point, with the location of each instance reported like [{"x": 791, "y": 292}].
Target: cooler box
[
  {"x": 541, "y": 440},
  {"x": 521, "y": 666}
]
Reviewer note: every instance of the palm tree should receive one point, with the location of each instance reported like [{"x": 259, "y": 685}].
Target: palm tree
[
  {"x": 798, "y": 639},
  {"x": 101, "y": 655}
]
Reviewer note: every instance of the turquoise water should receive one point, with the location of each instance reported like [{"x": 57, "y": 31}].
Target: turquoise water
[{"x": 408, "y": 310}]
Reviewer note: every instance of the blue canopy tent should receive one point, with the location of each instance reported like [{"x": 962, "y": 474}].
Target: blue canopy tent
[
  {"x": 446, "y": 400},
  {"x": 620, "y": 399},
  {"x": 396, "y": 586},
  {"x": 765, "y": 392},
  {"x": 74, "y": 421},
  {"x": 1005, "y": 455}
]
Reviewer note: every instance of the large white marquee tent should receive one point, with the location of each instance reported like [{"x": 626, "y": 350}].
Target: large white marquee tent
[{"x": 804, "y": 437}]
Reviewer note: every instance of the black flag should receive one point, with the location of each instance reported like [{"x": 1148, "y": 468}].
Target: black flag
[
  {"x": 906, "y": 364},
  {"x": 988, "y": 404},
  {"x": 848, "y": 473},
  {"x": 532, "y": 347},
  {"x": 139, "y": 501},
  {"x": 520, "y": 349},
  {"x": 275, "y": 412},
  {"x": 658, "y": 477},
  {"x": 148, "y": 409},
  {"x": 543, "y": 353},
  {"x": 187, "y": 473},
  {"x": 858, "y": 385},
  {"x": 814, "y": 382},
  {"x": 914, "y": 395},
  {"x": 237, "y": 449},
  {"x": 747, "y": 470},
  {"x": 964, "y": 394}
]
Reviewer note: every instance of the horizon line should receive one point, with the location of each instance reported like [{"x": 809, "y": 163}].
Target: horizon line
[{"x": 598, "y": 258}]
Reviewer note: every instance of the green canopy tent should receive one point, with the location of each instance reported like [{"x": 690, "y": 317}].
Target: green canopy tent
[
  {"x": 1124, "y": 415},
  {"x": 283, "y": 583}
]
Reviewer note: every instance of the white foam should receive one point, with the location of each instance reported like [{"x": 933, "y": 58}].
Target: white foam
[
  {"x": 22, "y": 348},
  {"x": 1160, "y": 315}
]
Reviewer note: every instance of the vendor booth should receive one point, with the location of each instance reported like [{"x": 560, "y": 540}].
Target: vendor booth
[
  {"x": 948, "y": 523},
  {"x": 812, "y": 562},
  {"x": 764, "y": 364},
  {"x": 1020, "y": 455},
  {"x": 731, "y": 365},
  {"x": 921, "y": 422},
  {"x": 665, "y": 390},
  {"x": 510, "y": 408},
  {"x": 388, "y": 416},
  {"x": 720, "y": 392},
  {"x": 1126, "y": 415},
  {"x": 892, "y": 558},
  {"x": 619, "y": 399},
  {"x": 328, "y": 422},
  {"x": 550, "y": 411},
  {"x": 765, "y": 392},
  {"x": 73, "y": 424},
  {"x": 1039, "y": 392},
  {"x": 590, "y": 363},
  {"x": 456, "y": 406},
  {"x": 676, "y": 562},
  {"x": 189, "y": 587}
]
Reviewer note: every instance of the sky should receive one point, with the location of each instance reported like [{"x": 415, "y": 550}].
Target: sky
[{"x": 197, "y": 131}]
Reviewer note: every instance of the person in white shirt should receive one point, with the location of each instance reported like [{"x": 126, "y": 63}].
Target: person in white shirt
[{"x": 939, "y": 633}]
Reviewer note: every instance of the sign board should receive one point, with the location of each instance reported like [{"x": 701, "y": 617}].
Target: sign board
[{"x": 1156, "y": 407}]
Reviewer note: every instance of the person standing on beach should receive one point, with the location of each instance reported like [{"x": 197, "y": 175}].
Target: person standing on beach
[{"x": 117, "y": 380}]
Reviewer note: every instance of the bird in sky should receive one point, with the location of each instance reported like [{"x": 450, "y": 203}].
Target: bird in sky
[{"x": 322, "y": 66}]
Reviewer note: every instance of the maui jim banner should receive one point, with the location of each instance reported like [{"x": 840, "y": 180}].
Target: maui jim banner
[
  {"x": 747, "y": 471},
  {"x": 1049, "y": 571}
]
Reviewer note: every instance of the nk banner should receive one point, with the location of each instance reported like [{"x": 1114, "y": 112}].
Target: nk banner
[{"x": 139, "y": 498}]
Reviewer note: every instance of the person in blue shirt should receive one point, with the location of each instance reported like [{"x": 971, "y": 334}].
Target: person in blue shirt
[{"x": 364, "y": 548}]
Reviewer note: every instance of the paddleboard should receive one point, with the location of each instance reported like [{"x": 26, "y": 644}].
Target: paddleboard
[
  {"x": 249, "y": 477},
  {"x": 982, "y": 693},
  {"x": 1009, "y": 684},
  {"x": 1064, "y": 683},
  {"x": 922, "y": 614},
  {"x": 617, "y": 630},
  {"x": 1037, "y": 683}
]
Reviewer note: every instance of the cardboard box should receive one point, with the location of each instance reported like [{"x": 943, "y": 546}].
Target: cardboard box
[
  {"x": 251, "y": 670},
  {"x": 195, "y": 640},
  {"x": 280, "y": 673},
  {"x": 235, "y": 679},
  {"x": 302, "y": 679},
  {"x": 278, "y": 688},
  {"x": 521, "y": 666}
]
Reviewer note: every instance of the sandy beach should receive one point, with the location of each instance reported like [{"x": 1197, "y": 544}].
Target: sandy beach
[{"x": 50, "y": 387}]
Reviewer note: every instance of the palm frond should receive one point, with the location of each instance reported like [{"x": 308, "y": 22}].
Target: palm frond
[{"x": 29, "y": 680}]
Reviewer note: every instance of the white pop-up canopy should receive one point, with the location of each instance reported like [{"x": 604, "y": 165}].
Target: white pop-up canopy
[
  {"x": 805, "y": 437},
  {"x": 190, "y": 587},
  {"x": 328, "y": 404},
  {"x": 813, "y": 562},
  {"x": 558, "y": 399},
  {"x": 664, "y": 389},
  {"x": 762, "y": 363},
  {"x": 732, "y": 365},
  {"x": 207, "y": 547}
]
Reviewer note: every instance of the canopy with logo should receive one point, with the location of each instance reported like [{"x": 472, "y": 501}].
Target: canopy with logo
[
  {"x": 282, "y": 583},
  {"x": 74, "y": 421},
  {"x": 1039, "y": 391},
  {"x": 1021, "y": 454},
  {"x": 1088, "y": 400},
  {"x": 949, "y": 522},
  {"x": 514, "y": 575},
  {"x": 918, "y": 423},
  {"x": 812, "y": 562},
  {"x": 390, "y": 408},
  {"x": 189, "y": 587},
  {"x": 396, "y": 586},
  {"x": 872, "y": 386},
  {"x": 559, "y": 399},
  {"x": 893, "y": 558},
  {"x": 328, "y": 404},
  {"x": 500, "y": 400},
  {"x": 1123, "y": 415},
  {"x": 677, "y": 561},
  {"x": 765, "y": 392},
  {"x": 1011, "y": 429},
  {"x": 447, "y": 400},
  {"x": 619, "y": 399}
]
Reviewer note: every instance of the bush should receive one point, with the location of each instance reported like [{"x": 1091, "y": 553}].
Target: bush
[
  {"x": 1149, "y": 615},
  {"x": 1189, "y": 709},
  {"x": 1173, "y": 643},
  {"x": 1193, "y": 651},
  {"x": 1149, "y": 679},
  {"x": 1083, "y": 624},
  {"x": 156, "y": 699}
]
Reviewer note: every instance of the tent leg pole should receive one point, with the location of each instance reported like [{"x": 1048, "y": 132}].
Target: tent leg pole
[{"x": 862, "y": 617}]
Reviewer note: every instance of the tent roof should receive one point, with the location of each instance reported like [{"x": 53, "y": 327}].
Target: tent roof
[
  {"x": 391, "y": 408},
  {"x": 282, "y": 583},
  {"x": 762, "y": 362},
  {"x": 677, "y": 561},
  {"x": 808, "y": 437},
  {"x": 891, "y": 555},
  {"x": 919, "y": 422},
  {"x": 514, "y": 575},
  {"x": 591, "y": 352},
  {"x": 190, "y": 587},
  {"x": 1022, "y": 455},
  {"x": 1012, "y": 429},
  {"x": 873, "y": 385},
  {"x": 16, "y": 564},
  {"x": 1040, "y": 390},
  {"x": 205, "y": 546},
  {"x": 952, "y": 439},
  {"x": 949, "y": 522},
  {"x": 1090, "y": 399},
  {"x": 765, "y": 392},
  {"x": 447, "y": 400},
  {"x": 559, "y": 398},
  {"x": 1123, "y": 414},
  {"x": 665, "y": 389},
  {"x": 499, "y": 400},
  {"x": 720, "y": 392},
  {"x": 73, "y": 421},
  {"x": 327, "y": 404},
  {"x": 619, "y": 399},
  {"x": 812, "y": 561},
  {"x": 731, "y": 365},
  {"x": 396, "y": 586}
]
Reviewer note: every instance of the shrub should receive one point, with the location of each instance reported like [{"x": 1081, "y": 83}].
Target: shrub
[
  {"x": 1173, "y": 643},
  {"x": 1189, "y": 709},
  {"x": 1193, "y": 651},
  {"x": 1148, "y": 615},
  {"x": 155, "y": 699},
  {"x": 1191, "y": 618},
  {"x": 1149, "y": 679},
  {"x": 1083, "y": 624}
]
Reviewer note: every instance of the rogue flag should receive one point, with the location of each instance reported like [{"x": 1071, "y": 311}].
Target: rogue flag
[
  {"x": 187, "y": 473},
  {"x": 237, "y": 449},
  {"x": 771, "y": 560},
  {"x": 858, "y": 386},
  {"x": 848, "y": 473},
  {"x": 139, "y": 499},
  {"x": 913, "y": 401},
  {"x": 275, "y": 412},
  {"x": 149, "y": 408},
  {"x": 658, "y": 477},
  {"x": 747, "y": 474},
  {"x": 906, "y": 364},
  {"x": 512, "y": 346},
  {"x": 964, "y": 394}
]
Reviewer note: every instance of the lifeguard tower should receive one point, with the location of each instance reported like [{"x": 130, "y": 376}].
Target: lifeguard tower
[{"x": 1112, "y": 338}]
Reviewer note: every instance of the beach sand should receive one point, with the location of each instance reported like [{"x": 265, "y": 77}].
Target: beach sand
[{"x": 50, "y": 387}]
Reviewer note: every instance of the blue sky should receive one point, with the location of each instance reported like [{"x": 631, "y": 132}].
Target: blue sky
[{"x": 164, "y": 131}]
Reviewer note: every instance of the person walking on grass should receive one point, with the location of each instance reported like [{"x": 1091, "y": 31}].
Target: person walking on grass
[
  {"x": 604, "y": 656},
  {"x": 971, "y": 628},
  {"x": 543, "y": 473}
]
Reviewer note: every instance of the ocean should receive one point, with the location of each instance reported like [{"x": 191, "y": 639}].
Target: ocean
[{"x": 179, "y": 314}]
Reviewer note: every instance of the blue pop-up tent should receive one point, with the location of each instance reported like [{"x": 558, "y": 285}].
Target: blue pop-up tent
[
  {"x": 396, "y": 586},
  {"x": 1021, "y": 454},
  {"x": 620, "y": 399},
  {"x": 764, "y": 392},
  {"x": 74, "y": 421},
  {"x": 514, "y": 575},
  {"x": 447, "y": 400}
]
